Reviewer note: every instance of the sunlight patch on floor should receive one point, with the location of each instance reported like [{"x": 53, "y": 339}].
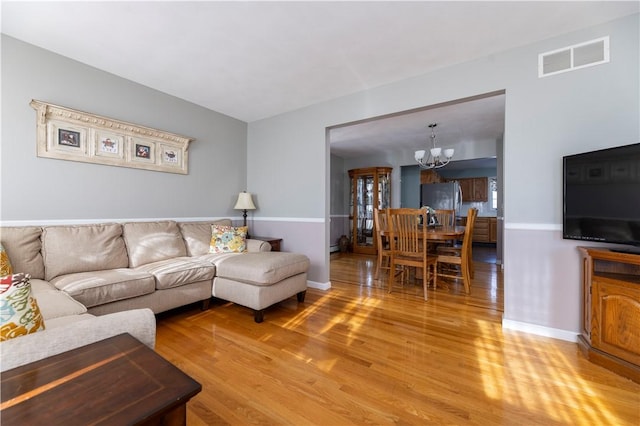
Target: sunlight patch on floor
[{"x": 503, "y": 373}]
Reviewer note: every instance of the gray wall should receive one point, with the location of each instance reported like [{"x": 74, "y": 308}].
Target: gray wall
[
  {"x": 591, "y": 108},
  {"x": 40, "y": 189}
]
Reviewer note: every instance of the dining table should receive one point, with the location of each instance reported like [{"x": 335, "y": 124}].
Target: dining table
[
  {"x": 438, "y": 234},
  {"x": 445, "y": 233}
]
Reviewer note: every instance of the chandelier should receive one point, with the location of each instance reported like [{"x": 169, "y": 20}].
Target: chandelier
[{"x": 434, "y": 160}]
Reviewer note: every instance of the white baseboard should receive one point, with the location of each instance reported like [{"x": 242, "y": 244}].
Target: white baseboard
[
  {"x": 319, "y": 286},
  {"x": 556, "y": 333}
]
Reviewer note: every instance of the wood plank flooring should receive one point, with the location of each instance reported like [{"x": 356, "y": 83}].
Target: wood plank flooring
[{"x": 358, "y": 355}]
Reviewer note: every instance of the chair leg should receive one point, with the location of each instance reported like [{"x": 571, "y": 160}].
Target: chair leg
[
  {"x": 425, "y": 280},
  {"x": 466, "y": 277},
  {"x": 435, "y": 276}
]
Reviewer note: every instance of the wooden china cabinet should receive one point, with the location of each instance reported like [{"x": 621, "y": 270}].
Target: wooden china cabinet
[{"x": 370, "y": 189}]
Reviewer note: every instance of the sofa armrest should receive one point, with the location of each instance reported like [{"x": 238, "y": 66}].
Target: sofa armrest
[
  {"x": 140, "y": 323},
  {"x": 257, "y": 245}
]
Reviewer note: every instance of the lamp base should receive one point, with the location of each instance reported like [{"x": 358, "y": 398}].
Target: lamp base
[{"x": 244, "y": 216}]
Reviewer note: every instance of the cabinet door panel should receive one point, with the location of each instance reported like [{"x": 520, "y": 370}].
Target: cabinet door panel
[{"x": 616, "y": 320}]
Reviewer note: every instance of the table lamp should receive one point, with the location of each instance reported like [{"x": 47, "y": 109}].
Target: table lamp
[{"x": 244, "y": 203}]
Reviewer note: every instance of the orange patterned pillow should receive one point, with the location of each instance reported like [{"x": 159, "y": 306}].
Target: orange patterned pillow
[
  {"x": 19, "y": 311},
  {"x": 5, "y": 265}
]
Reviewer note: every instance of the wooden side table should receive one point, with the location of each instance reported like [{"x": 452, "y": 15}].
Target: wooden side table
[
  {"x": 275, "y": 242},
  {"x": 114, "y": 381}
]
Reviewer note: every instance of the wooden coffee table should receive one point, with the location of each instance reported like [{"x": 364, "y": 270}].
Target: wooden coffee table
[{"x": 117, "y": 381}]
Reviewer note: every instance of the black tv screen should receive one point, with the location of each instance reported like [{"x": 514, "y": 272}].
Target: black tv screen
[{"x": 602, "y": 195}]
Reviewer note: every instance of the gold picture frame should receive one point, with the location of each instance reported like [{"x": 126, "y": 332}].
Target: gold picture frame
[{"x": 67, "y": 134}]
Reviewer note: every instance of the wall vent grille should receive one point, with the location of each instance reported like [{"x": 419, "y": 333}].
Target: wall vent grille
[{"x": 587, "y": 54}]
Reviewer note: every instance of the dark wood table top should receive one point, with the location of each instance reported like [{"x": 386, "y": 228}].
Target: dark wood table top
[{"x": 117, "y": 381}]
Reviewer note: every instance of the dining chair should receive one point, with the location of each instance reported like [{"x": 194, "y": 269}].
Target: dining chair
[
  {"x": 408, "y": 239},
  {"x": 382, "y": 240},
  {"x": 458, "y": 264},
  {"x": 445, "y": 217}
]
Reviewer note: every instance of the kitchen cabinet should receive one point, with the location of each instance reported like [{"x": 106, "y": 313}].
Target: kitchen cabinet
[
  {"x": 481, "y": 230},
  {"x": 485, "y": 230},
  {"x": 611, "y": 310},
  {"x": 493, "y": 230},
  {"x": 370, "y": 189},
  {"x": 474, "y": 189},
  {"x": 430, "y": 176}
]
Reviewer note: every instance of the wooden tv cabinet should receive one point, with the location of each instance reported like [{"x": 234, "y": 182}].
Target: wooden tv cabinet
[{"x": 610, "y": 331}]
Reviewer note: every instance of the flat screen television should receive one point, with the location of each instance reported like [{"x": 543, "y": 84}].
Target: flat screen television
[{"x": 602, "y": 196}]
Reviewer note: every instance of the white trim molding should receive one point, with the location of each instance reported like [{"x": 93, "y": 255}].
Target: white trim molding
[
  {"x": 94, "y": 221},
  {"x": 534, "y": 226},
  {"x": 569, "y": 336},
  {"x": 319, "y": 286},
  {"x": 288, "y": 219}
]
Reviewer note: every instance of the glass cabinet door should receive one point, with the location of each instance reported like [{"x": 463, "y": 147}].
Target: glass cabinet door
[
  {"x": 364, "y": 211},
  {"x": 370, "y": 188}
]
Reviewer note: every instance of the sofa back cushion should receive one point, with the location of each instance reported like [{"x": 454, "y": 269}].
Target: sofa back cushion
[
  {"x": 23, "y": 245},
  {"x": 153, "y": 241},
  {"x": 82, "y": 248},
  {"x": 197, "y": 235}
]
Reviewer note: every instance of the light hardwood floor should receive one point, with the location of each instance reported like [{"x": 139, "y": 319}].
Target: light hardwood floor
[{"x": 357, "y": 355}]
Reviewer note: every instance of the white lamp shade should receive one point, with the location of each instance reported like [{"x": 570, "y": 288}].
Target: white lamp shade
[
  {"x": 435, "y": 152},
  {"x": 448, "y": 152},
  {"x": 419, "y": 155},
  {"x": 245, "y": 202}
]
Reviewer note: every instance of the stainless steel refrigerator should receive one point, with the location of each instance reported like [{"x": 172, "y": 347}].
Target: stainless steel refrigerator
[{"x": 441, "y": 196}]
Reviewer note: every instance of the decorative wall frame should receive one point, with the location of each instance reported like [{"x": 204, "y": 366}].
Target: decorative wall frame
[{"x": 68, "y": 134}]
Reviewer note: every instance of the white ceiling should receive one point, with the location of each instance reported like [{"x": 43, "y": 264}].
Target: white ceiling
[
  {"x": 253, "y": 60},
  {"x": 458, "y": 123}
]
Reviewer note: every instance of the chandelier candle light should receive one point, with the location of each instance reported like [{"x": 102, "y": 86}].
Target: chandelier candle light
[{"x": 434, "y": 160}]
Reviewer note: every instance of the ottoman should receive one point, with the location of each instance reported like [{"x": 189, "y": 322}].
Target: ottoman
[{"x": 259, "y": 280}]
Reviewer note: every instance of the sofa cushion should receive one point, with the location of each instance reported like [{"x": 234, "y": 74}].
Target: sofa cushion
[
  {"x": 5, "y": 264},
  {"x": 197, "y": 235},
  {"x": 100, "y": 287},
  {"x": 228, "y": 239},
  {"x": 23, "y": 247},
  {"x": 54, "y": 303},
  {"x": 19, "y": 311},
  {"x": 264, "y": 268},
  {"x": 82, "y": 248},
  {"x": 149, "y": 242},
  {"x": 180, "y": 271}
]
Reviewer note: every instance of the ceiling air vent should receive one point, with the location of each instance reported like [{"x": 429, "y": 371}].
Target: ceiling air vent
[{"x": 574, "y": 57}]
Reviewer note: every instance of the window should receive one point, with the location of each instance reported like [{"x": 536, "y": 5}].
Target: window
[{"x": 493, "y": 190}]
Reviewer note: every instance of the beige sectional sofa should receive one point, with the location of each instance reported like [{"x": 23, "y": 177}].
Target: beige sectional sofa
[{"x": 106, "y": 272}]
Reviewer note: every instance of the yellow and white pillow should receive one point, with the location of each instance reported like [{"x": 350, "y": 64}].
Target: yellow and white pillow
[
  {"x": 5, "y": 265},
  {"x": 19, "y": 311},
  {"x": 228, "y": 239}
]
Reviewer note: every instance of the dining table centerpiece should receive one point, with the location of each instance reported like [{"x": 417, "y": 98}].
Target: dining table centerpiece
[{"x": 431, "y": 215}]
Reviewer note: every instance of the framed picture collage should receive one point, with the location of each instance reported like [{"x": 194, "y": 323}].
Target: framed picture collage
[{"x": 68, "y": 134}]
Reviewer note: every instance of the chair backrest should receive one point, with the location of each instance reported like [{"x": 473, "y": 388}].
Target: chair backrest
[
  {"x": 408, "y": 236},
  {"x": 467, "y": 241},
  {"x": 445, "y": 217},
  {"x": 381, "y": 224}
]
